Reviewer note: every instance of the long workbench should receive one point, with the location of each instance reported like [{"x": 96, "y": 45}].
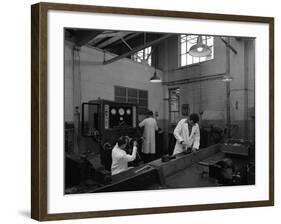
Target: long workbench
[{"x": 183, "y": 171}]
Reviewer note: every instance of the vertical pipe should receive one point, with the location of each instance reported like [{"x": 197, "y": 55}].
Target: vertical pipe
[
  {"x": 76, "y": 95},
  {"x": 246, "y": 91},
  {"x": 200, "y": 94},
  {"x": 228, "y": 120}
]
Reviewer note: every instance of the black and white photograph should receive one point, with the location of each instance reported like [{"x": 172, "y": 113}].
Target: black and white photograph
[{"x": 153, "y": 111}]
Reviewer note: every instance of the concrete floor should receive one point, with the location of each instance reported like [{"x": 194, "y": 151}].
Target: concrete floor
[{"x": 193, "y": 176}]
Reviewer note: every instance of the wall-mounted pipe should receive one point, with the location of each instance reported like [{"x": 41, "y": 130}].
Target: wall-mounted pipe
[
  {"x": 228, "y": 115},
  {"x": 76, "y": 88},
  {"x": 228, "y": 45},
  {"x": 246, "y": 93},
  {"x": 194, "y": 79}
]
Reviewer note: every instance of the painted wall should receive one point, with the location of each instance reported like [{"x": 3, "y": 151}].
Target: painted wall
[
  {"x": 98, "y": 80},
  {"x": 209, "y": 96},
  {"x": 68, "y": 82}
]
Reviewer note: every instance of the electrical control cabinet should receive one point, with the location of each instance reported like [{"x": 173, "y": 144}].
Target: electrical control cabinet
[{"x": 105, "y": 121}]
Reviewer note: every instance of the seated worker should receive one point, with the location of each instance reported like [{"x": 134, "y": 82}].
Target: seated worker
[
  {"x": 187, "y": 134},
  {"x": 120, "y": 158}
]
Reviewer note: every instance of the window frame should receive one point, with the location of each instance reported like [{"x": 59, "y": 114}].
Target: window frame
[
  {"x": 186, "y": 53},
  {"x": 143, "y": 57},
  {"x": 170, "y": 109},
  {"x": 141, "y": 108}
]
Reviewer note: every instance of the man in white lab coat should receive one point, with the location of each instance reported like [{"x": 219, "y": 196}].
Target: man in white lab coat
[
  {"x": 148, "y": 145},
  {"x": 187, "y": 134},
  {"x": 120, "y": 158}
]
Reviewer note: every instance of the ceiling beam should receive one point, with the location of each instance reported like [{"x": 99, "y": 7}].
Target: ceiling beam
[
  {"x": 154, "y": 42},
  {"x": 127, "y": 38},
  {"x": 106, "y": 34},
  {"x": 119, "y": 47},
  {"x": 113, "y": 39},
  {"x": 82, "y": 37}
]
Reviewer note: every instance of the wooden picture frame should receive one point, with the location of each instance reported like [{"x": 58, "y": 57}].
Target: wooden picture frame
[{"x": 39, "y": 110}]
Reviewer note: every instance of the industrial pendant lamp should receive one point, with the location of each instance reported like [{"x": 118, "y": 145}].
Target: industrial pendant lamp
[
  {"x": 155, "y": 78},
  {"x": 199, "y": 49},
  {"x": 227, "y": 78}
]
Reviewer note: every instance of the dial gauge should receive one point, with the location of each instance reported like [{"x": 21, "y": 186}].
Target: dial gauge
[
  {"x": 113, "y": 111},
  {"x": 121, "y": 111},
  {"x": 128, "y": 111}
]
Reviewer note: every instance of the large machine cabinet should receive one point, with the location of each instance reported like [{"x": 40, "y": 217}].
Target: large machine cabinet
[
  {"x": 105, "y": 121},
  {"x": 102, "y": 123}
]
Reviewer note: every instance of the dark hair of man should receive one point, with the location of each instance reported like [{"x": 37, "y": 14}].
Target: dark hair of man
[
  {"x": 121, "y": 141},
  {"x": 194, "y": 118},
  {"x": 150, "y": 113}
]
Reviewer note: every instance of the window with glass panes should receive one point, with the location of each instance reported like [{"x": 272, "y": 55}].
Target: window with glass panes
[
  {"x": 174, "y": 105},
  {"x": 131, "y": 95},
  {"x": 143, "y": 56},
  {"x": 186, "y": 41}
]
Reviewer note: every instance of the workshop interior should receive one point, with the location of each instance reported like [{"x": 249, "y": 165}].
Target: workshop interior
[{"x": 114, "y": 79}]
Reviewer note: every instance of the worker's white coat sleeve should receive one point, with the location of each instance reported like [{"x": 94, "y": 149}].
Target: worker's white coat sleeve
[
  {"x": 156, "y": 126},
  {"x": 141, "y": 124},
  {"x": 132, "y": 157},
  {"x": 196, "y": 143},
  {"x": 178, "y": 131}
]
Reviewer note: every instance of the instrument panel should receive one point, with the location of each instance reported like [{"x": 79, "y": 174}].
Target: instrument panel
[{"x": 119, "y": 116}]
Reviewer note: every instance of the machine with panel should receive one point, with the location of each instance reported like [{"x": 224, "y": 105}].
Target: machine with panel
[{"x": 105, "y": 121}]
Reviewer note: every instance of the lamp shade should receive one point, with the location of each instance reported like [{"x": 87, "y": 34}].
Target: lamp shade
[
  {"x": 199, "y": 49},
  {"x": 155, "y": 78},
  {"x": 227, "y": 78}
]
